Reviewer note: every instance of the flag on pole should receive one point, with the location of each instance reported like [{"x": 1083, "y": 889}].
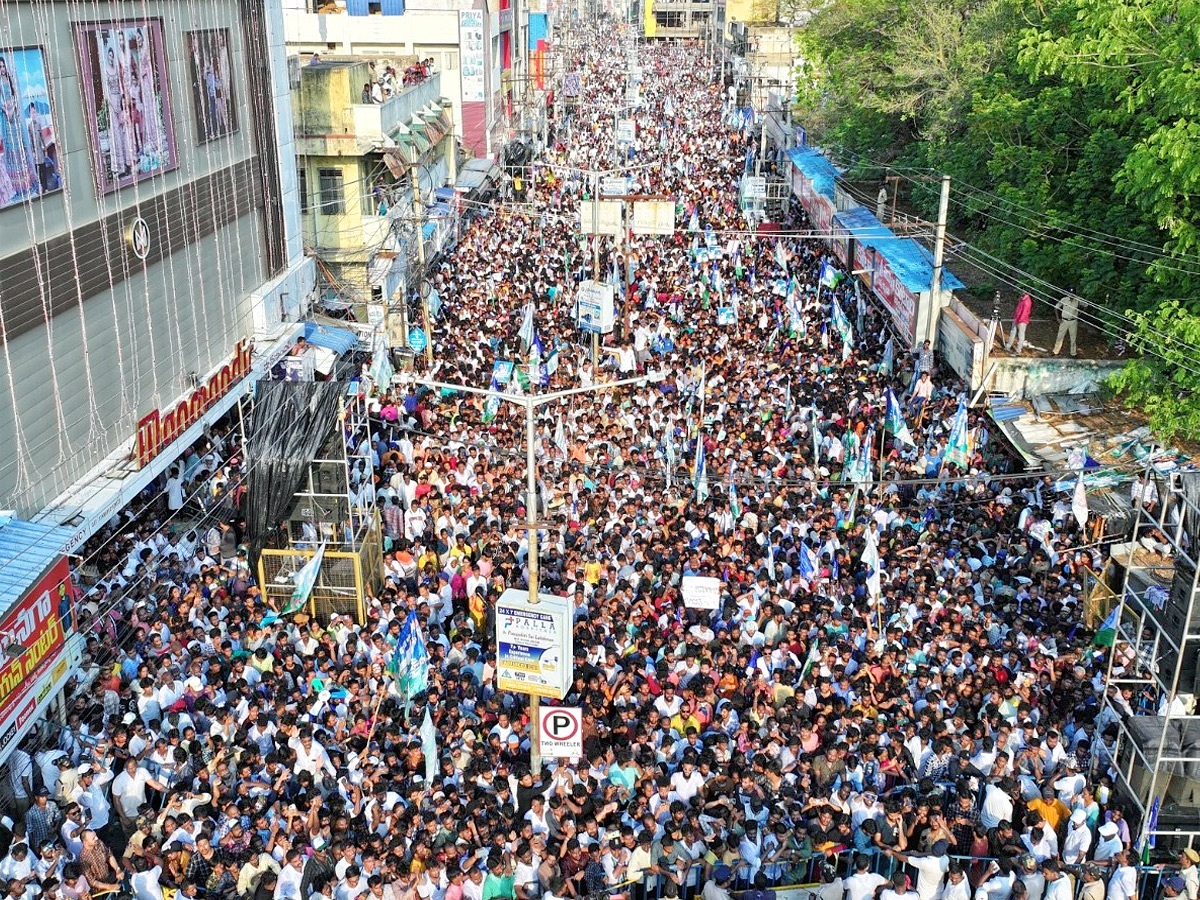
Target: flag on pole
[
  {"x": 560, "y": 436},
  {"x": 304, "y": 582},
  {"x": 429, "y": 746},
  {"x": 810, "y": 565},
  {"x": 1149, "y": 836},
  {"x": 816, "y": 439},
  {"x": 958, "y": 449},
  {"x": 889, "y": 358},
  {"x": 838, "y": 316},
  {"x": 735, "y": 507},
  {"x": 870, "y": 559},
  {"x": 552, "y": 362},
  {"x": 893, "y": 421},
  {"x": 781, "y": 256},
  {"x": 410, "y": 661},
  {"x": 829, "y": 275},
  {"x": 814, "y": 657},
  {"x": 491, "y": 406},
  {"x": 701, "y": 474},
  {"x": 669, "y": 454},
  {"x": 1107, "y": 635},
  {"x": 535, "y": 349},
  {"x": 1079, "y": 504},
  {"x": 526, "y": 331}
]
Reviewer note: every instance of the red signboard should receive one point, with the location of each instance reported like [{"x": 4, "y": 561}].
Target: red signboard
[
  {"x": 31, "y": 637},
  {"x": 158, "y": 429},
  {"x": 898, "y": 299},
  {"x": 864, "y": 262}
]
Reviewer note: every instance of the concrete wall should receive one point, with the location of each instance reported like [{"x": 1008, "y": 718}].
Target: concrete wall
[{"x": 1027, "y": 377}]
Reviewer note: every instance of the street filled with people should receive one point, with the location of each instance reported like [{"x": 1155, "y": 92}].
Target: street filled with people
[{"x": 895, "y": 698}]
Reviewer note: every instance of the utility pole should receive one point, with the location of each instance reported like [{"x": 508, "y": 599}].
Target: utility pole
[
  {"x": 419, "y": 229},
  {"x": 939, "y": 253}
]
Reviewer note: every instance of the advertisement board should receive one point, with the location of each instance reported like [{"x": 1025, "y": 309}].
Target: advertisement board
[
  {"x": 701, "y": 591},
  {"x": 900, "y": 302},
  {"x": 595, "y": 307},
  {"x": 31, "y": 637},
  {"x": 470, "y": 39},
  {"x": 560, "y": 732},
  {"x": 626, "y": 131},
  {"x": 864, "y": 262},
  {"x": 654, "y": 217},
  {"x": 840, "y": 241},
  {"x": 29, "y": 150},
  {"x": 534, "y": 644}
]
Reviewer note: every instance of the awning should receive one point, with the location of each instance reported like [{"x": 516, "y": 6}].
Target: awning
[
  {"x": 418, "y": 138},
  {"x": 27, "y": 551},
  {"x": 340, "y": 340},
  {"x": 429, "y": 229},
  {"x": 444, "y": 194}
]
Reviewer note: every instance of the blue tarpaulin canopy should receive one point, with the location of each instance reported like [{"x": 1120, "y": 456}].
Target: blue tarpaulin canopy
[
  {"x": 340, "y": 340},
  {"x": 445, "y": 194},
  {"x": 27, "y": 550},
  {"x": 816, "y": 168},
  {"x": 911, "y": 262}
]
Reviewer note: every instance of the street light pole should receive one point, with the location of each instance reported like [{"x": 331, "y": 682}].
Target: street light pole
[{"x": 531, "y": 403}]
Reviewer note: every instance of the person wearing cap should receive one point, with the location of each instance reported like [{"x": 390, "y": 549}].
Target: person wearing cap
[
  {"x": 1188, "y": 870},
  {"x": 1109, "y": 844},
  {"x": 717, "y": 886},
  {"x": 1078, "y": 840}
]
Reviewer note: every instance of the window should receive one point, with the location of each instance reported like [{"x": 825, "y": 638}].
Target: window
[
  {"x": 451, "y": 58},
  {"x": 669, "y": 19},
  {"x": 333, "y": 193},
  {"x": 302, "y": 187}
]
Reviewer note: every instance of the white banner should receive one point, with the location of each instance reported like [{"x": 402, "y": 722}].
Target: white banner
[{"x": 701, "y": 592}]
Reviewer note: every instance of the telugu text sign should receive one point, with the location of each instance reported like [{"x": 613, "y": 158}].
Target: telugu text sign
[{"x": 31, "y": 636}]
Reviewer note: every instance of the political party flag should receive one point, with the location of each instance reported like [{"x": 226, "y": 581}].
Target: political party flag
[
  {"x": 535, "y": 349},
  {"x": 889, "y": 358},
  {"x": 838, "y": 316},
  {"x": 810, "y": 565},
  {"x": 1149, "y": 837},
  {"x": 1107, "y": 635},
  {"x": 735, "y": 507},
  {"x": 670, "y": 457},
  {"x": 526, "y": 331},
  {"x": 429, "y": 746},
  {"x": 893, "y": 421},
  {"x": 958, "y": 448},
  {"x": 847, "y": 345},
  {"x": 522, "y": 379},
  {"x": 304, "y": 582},
  {"x": 816, "y": 439},
  {"x": 491, "y": 406},
  {"x": 870, "y": 559},
  {"x": 814, "y": 657},
  {"x": 560, "y": 436},
  {"x": 781, "y": 256},
  {"x": 552, "y": 362},
  {"x": 410, "y": 661},
  {"x": 829, "y": 275},
  {"x": 1079, "y": 504},
  {"x": 701, "y": 474}
]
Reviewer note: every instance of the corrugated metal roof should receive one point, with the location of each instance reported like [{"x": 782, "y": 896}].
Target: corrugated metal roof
[
  {"x": 27, "y": 550},
  {"x": 340, "y": 340}
]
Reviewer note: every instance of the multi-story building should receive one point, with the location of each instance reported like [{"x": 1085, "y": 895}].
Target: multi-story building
[
  {"x": 678, "y": 19},
  {"x": 367, "y": 173},
  {"x": 151, "y": 264},
  {"x": 481, "y": 48}
]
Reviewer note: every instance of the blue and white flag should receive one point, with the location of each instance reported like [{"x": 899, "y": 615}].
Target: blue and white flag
[
  {"x": 838, "y": 316},
  {"x": 303, "y": 583},
  {"x": 829, "y": 275},
  {"x": 491, "y": 405},
  {"x": 526, "y": 331},
  {"x": 810, "y": 565},
  {"x": 958, "y": 449},
  {"x": 735, "y": 507},
  {"x": 700, "y": 478},
  {"x": 428, "y": 735},
  {"x": 816, "y": 440},
  {"x": 781, "y": 256},
  {"x": 410, "y": 662},
  {"x": 889, "y": 358},
  {"x": 870, "y": 559},
  {"x": 535, "y": 349},
  {"x": 893, "y": 421}
]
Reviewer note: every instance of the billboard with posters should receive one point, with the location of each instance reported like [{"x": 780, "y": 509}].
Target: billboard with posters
[
  {"x": 29, "y": 152},
  {"x": 901, "y": 303},
  {"x": 126, "y": 100},
  {"x": 32, "y": 637},
  {"x": 211, "y": 71},
  {"x": 470, "y": 39}
]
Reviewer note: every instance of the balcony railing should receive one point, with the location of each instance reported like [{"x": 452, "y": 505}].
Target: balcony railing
[{"x": 376, "y": 121}]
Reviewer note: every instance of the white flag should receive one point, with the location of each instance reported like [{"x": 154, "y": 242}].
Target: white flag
[{"x": 1079, "y": 504}]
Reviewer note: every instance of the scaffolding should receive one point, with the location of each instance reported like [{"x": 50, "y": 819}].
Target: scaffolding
[
  {"x": 335, "y": 507},
  {"x": 1148, "y": 732}
]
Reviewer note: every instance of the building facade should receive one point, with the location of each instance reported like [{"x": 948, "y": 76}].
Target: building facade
[
  {"x": 368, "y": 174},
  {"x": 151, "y": 232}
]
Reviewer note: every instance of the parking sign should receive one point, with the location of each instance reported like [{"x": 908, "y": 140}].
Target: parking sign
[{"x": 561, "y": 732}]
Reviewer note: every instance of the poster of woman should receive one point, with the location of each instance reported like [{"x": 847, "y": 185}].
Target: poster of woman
[
  {"x": 126, "y": 101},
  {"x": 28, "y": 142},
  {"x": 212, "y": 86}
]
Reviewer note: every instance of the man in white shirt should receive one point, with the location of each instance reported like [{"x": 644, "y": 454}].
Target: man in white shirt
[
  {"x": 997, "y": 804},
  {"x": 931, "y": 868},
  {"x": 1122, "y": 884},
  {"x": 310, "y": 755},
  {"x": 129, "y": 790},
  {"x": 898, "y": 890},
  {"x": 287, "y": 886},
  {"x": 863, "y": 883},
  {"x": 957, "y": 886},
  {"x": 1078, "y": 840},
  {"x": 1110, "y": 842}
]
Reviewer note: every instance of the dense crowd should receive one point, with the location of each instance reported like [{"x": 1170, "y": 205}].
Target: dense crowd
[{"x": 920, "y": 726}]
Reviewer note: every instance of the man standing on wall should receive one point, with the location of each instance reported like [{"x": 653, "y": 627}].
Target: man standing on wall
[
  {"x": 1020, "y": 322},
  {"x": 1067, "y": 310}
]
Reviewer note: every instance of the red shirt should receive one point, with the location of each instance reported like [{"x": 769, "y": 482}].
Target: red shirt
[{"x": 1024, "y": 308}]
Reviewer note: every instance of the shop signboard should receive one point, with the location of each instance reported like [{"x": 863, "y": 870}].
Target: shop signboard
[
  {"x": 900, "y": 302},
  {"x": 32, "y": 636},
  {"x": 840, "y": 240},
  {"x": 864, "y": 262},
  {"x": 158, "y": 429},
  {"x": 534, "y": 644}
]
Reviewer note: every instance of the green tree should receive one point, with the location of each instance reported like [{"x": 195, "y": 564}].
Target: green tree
[{"x": 1164, "y": 381}]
